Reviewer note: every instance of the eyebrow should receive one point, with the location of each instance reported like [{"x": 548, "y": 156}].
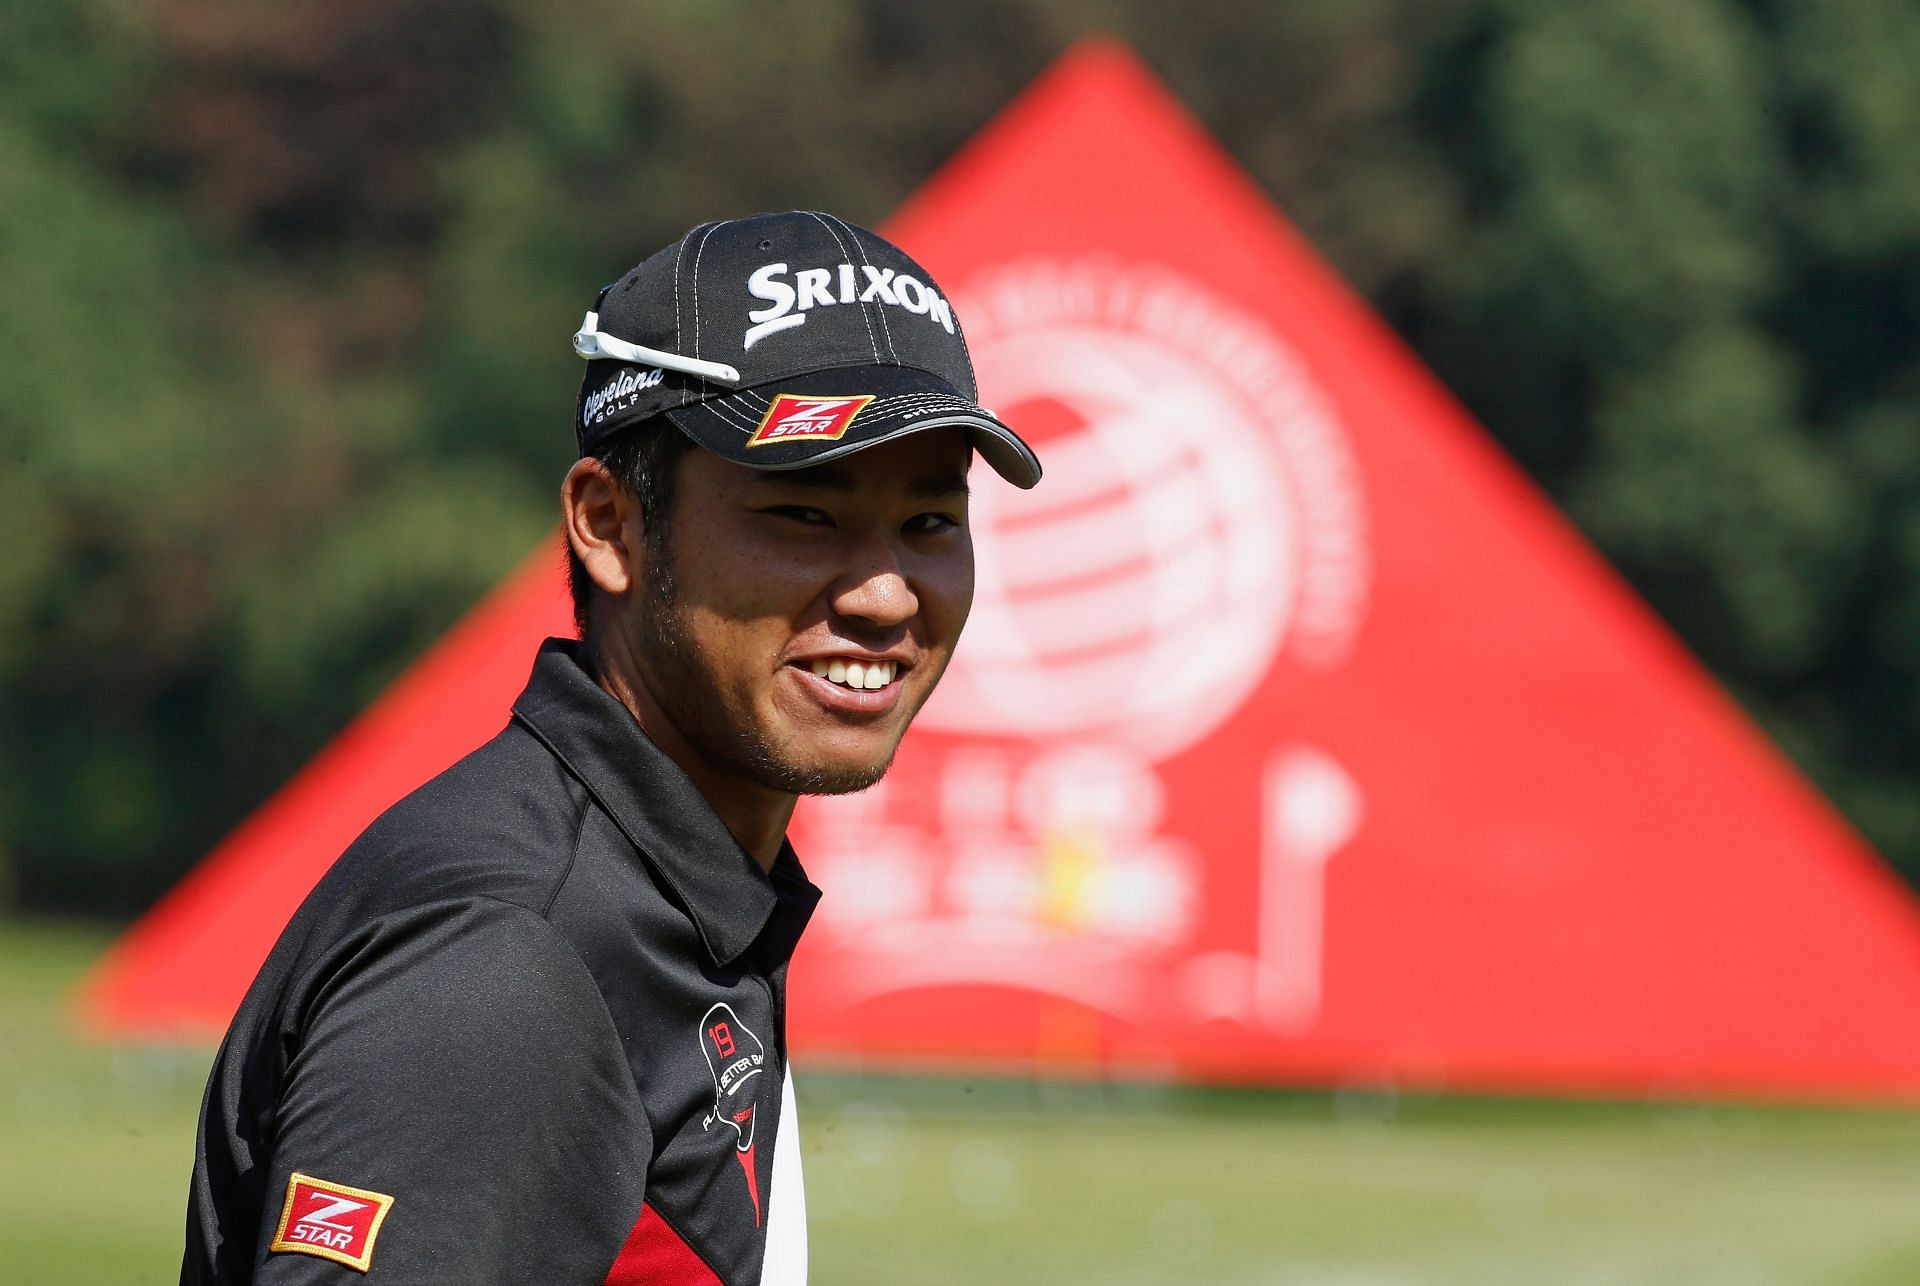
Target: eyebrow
[{"x": 837, "y": 478}]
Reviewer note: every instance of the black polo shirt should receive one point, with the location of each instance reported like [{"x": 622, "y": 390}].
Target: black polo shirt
[{"x": 529, "y": 1028}]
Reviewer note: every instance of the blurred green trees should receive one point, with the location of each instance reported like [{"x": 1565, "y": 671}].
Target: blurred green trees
[{"x": 286, "y": 289}]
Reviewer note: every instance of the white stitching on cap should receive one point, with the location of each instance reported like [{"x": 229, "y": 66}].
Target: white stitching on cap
[
  {"x": 679, "y": 257},
  {"x": 710, "y": 230},
  {"x": 918, "y": 406},
  {"x": 881, "y": 309},
  {"x": 718, "y": 407},
  {"x": 746, "y": 419},
  {"x": 910, "y": 408},
  {"x": 686, "y": 395},
  {"x": 733, "y": 415},
  {"x": 966, "y": 354},
  {"x": 897, "y": 401},
  {"x": 910, "y": 400},
  {"x": 871, "y": 343}
]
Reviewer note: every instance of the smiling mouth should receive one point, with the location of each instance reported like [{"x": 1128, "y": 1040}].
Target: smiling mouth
[{"x": 862, "y": 676}]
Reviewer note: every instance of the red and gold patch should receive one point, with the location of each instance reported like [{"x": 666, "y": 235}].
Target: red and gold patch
[
  {"x": 795, "y": 417},
  {"x": 331, "y": 1220}
]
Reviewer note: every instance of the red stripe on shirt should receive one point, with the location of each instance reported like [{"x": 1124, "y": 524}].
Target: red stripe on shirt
[{"x": 655, "y": 1255}]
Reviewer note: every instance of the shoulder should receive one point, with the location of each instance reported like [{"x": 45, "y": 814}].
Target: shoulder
[
  {"x": 498, "y": 828},
  {"x": 502, "y": 823},
  {"x": 470, "y": 972}
]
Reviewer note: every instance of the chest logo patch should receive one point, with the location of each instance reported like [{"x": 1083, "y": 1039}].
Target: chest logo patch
[
  {"x": 331, "y": 1220},
  {"x": 736, "y": 1058}
]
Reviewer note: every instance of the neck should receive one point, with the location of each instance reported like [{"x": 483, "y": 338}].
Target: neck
[{"x": 755, "y": 815}]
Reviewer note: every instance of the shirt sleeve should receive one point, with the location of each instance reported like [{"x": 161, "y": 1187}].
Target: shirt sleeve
[{"x": 460, "y": 1061}]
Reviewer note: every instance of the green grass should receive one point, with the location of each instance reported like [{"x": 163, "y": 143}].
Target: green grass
[
  {"x": 926, "y": 1183},
  {"x": 95, "y": 1143}
]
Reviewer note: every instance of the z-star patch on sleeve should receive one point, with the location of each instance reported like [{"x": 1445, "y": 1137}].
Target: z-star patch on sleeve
[{"x": 331, "y": 1220}]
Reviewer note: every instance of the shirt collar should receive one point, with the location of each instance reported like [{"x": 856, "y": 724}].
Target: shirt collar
[{"x": 731, "y": 901}]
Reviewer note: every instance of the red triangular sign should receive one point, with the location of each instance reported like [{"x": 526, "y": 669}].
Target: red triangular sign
[{"x": 1294, "y": 736}]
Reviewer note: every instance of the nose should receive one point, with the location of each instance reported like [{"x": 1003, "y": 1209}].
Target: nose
[{"x": 876, "y": 590}]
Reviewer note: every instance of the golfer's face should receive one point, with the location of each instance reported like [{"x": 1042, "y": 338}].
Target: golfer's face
[{"x": 822, "y": 605}]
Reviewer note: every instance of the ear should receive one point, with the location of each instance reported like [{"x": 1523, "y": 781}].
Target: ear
[{"x": 603, "y": 525}]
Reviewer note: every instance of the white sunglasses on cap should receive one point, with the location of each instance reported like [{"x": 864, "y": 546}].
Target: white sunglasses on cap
[{"x": 590, "y": 343}]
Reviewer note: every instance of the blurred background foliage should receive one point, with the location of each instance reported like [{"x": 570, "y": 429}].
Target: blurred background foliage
[{"x": 285, "y": 290}]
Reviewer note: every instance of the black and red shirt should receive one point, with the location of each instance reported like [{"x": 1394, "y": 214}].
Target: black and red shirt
[{"x": 529, "y": 1028}]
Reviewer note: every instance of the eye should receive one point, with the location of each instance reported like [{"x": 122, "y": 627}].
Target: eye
[
  {"x": 927, "y": 523},
  {"x": 800, "y": 513}
]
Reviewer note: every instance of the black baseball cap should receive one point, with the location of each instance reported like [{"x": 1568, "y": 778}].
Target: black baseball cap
[{"x": 781, "y": 341}]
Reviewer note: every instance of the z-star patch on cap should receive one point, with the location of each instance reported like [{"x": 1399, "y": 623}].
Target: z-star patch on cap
[
  {"x": 822, "y": 419},
  {"x": 730, "y": 330},
  {"x": 331, "y": 1220}
]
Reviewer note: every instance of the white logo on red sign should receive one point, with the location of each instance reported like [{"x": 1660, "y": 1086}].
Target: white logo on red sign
[
  {"x": 1202, "y": 513},
  {"x": 796, "y": 417},
  {"x": 1202, "y": 525},
  {"x": 331, "y": 1221}
]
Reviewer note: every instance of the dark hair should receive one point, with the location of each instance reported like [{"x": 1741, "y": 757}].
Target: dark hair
[{"x": 645, "y": 463}]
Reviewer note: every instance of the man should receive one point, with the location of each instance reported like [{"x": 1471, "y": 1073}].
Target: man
[{"x": 531, "y": 1027}]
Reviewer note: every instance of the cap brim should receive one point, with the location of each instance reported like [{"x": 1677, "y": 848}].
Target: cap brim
[{"x": 902, "y": 401}]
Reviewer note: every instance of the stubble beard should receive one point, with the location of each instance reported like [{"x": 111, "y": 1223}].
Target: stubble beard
[{"x": 692, "y": 699}]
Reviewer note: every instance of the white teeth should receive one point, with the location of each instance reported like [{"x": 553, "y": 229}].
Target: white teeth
[{"x": 866, "y": 675}]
